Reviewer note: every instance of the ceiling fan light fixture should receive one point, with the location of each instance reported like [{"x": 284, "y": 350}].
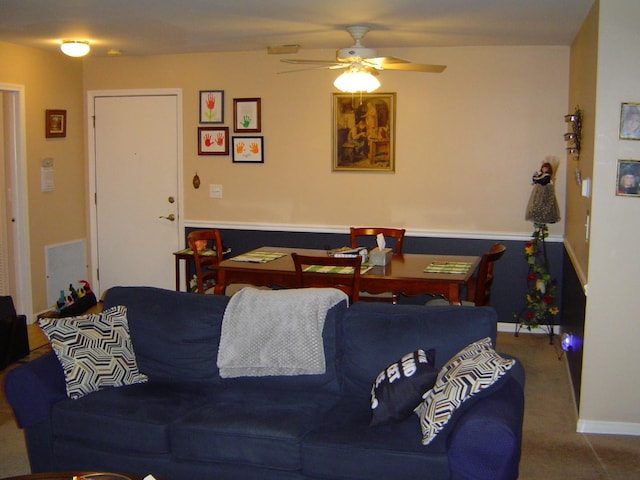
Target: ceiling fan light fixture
[
  {"x": 75, "y": 48},
  {"x": 353, "y": 81}
]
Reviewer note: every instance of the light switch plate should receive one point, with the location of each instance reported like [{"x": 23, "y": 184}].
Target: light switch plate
[{"x": 215, "y": 190}]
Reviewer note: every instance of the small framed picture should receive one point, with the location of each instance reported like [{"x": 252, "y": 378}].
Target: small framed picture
[
  {"x": 213, "y": 140},
  {"x": 246, "y": 115},
  {"x": 211, "y": 106},
  {"x": 628, "y": 178},
  {"x": 55, "y": 123},
  {"x": 248, "y": 150},
  {"x": 630, "y": 121}
]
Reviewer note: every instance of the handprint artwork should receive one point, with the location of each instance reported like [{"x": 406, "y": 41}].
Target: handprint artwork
[
  {"x": 248, "y": 149},
  {"x": 246, "y": 114},
  {"x": 211, "y": 106},
  {"x": 213, "y": 140}
]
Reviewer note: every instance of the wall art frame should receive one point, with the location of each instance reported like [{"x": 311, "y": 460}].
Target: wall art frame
[
  {"x": 213, "y": 140},
  {"x": 248, "y": 149},
  {"x": 363, "y": 132},
  {"x": 55, "y": 123},
  {"x": 630, "y": 121},
  {"x": 247, "y": 115},
  {"x": 211, "y": 106},
  {"x": 628, "y": 178}
]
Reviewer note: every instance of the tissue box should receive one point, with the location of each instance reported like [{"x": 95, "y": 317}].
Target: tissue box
[{"x": 380, "y": 257}]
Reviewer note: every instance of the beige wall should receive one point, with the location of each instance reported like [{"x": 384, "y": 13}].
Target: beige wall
[
  {"x": 468, "y": 140},
  {"x": 51, "y": 81},
  {"x": 582, "y": 93},
  {"x": 610, "y": 393}
]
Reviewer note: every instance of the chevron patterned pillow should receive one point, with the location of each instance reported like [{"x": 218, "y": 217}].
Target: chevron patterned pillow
[
  {"x": 471, "y": 371},
  {"x": 95, "y": 351}
]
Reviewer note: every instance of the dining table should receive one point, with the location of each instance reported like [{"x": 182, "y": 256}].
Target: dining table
[{"x": 407, "y": 273}]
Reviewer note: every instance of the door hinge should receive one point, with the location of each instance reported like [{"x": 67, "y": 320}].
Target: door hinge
[{"x": 94, "y": 121}]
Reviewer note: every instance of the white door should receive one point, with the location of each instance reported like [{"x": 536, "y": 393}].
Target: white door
[{"x": 136, "y": 172}]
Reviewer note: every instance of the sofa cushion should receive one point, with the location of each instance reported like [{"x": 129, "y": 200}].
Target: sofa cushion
[
  {"x": 473, "y": 370},
  {"x": 95, "y": 351},
  {"x": 250, "y": 427},
  {"x": 345, "y": 446},
  {"x": 398, "y": 389},
  {"x": 133, "y": 419},
  {"x": 377, "y": 334},
  {"x": 176, "y": 334}
]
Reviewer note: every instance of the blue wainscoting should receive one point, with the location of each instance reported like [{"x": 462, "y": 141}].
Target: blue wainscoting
[{"x": 509, "y": 288}]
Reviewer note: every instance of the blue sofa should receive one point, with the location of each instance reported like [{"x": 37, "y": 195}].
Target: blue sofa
[{"x": 187, "y": 422}]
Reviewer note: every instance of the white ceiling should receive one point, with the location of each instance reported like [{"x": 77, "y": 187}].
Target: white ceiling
[{"x": 150, "y": 27}]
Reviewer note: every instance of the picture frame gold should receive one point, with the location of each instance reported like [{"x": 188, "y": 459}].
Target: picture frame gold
[
  {"x": 630, "y": 121},
  {"x": 363, "y": 132},
  {"x": 628, "y": 178},
  {"x": 55, "y": 123}
]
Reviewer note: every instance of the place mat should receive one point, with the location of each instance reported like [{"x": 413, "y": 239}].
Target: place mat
[
  {"x": 335, "y": 269},
  {"x": 205, "y": 253},
  {"x": 454, "y": 268},
  {"x": 258, "y": 257}
]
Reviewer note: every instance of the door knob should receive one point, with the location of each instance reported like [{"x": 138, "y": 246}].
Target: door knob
[{"x": 171, "y": 217}]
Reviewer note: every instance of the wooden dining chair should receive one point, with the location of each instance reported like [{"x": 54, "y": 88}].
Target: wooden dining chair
[
  {"x": 207, "y": 250},
  {"x": 479, "y": 288},
  {"x": 348, "y": 282},
  {"x": 397, "y": 234}
]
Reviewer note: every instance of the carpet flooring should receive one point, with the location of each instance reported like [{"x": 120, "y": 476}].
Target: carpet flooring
[{"x": 551, "y": 448}]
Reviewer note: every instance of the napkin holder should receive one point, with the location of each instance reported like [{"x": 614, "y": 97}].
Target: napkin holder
[{"x": 380, "y": 257}]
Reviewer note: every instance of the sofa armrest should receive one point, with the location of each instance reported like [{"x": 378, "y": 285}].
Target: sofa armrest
[
  {"x": 32, "y": 388},
  {"x": 486, "y": 441}
]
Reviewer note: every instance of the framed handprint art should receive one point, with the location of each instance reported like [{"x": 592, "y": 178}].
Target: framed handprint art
[
  {"x": 213, "y": 140},
  {"x": 246, "y": 115},
  {"x": 248, "y": 150},
  {"x": 211, "y": 106}
]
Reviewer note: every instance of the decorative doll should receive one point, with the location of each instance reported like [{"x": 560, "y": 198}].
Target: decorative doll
[{"x": 543, "y": 206}]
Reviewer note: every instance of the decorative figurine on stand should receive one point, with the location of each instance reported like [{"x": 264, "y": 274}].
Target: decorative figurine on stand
[
  {"x": 541, "y": 210},
  {"x": 543, "y": 206}
]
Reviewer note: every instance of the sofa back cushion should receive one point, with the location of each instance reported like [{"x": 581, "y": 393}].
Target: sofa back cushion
[
  {"x": 175, "y": 335},
  {"x": 377, "y": 334}
]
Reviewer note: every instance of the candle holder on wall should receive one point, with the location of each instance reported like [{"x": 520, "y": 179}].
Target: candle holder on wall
[{"x": 574, "y": 137}]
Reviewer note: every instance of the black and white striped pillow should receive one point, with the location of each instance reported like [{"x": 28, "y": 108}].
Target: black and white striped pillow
[
  {"x": 95, "y": 351},
  {"x": 472, "y": 370}
]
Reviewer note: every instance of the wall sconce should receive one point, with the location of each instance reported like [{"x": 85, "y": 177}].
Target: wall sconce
[
  {"x": 574, "y": 137},
  {"x": 75, "y": 48}
]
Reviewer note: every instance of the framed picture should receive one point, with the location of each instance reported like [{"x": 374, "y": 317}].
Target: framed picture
[
  {"x": 55, "y": 123},
  {"x": 630, "y": 121},
  {"x": 246, "y": 115},
  {"x": 363, "y": 133},
  {"x": 212, "y": 106},
  {"x": 213, "y": 140},
  {"x": 628, "y": 178},
  {"x": 248, "y": 150}
]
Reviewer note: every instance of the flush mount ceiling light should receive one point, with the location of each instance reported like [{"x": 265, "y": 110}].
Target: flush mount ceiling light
[
  {"x": 75, "y": 48},
  {"x": 356, "y": 80}
]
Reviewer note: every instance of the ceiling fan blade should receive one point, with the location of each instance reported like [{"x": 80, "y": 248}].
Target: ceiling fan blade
[
  {"x": 414, "y": 67},
  {"x": 311, "y": 62},
  {"x": 318, "y": 67},
  {"x": 385, "y": 60}
]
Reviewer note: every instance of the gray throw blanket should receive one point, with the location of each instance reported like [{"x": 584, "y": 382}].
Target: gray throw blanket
[{"x": 275, "y": 332}]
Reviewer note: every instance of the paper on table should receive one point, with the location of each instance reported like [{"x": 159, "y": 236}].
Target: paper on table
[{"x": 381, "y": 241}]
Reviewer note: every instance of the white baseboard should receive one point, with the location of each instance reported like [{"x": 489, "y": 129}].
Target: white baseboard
[
  {"x": 511, "y": 327},
  {"x": 608, "y": 428}
]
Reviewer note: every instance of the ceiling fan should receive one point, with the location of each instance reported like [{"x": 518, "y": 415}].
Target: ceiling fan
[{"x": 358, "y": 57}]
